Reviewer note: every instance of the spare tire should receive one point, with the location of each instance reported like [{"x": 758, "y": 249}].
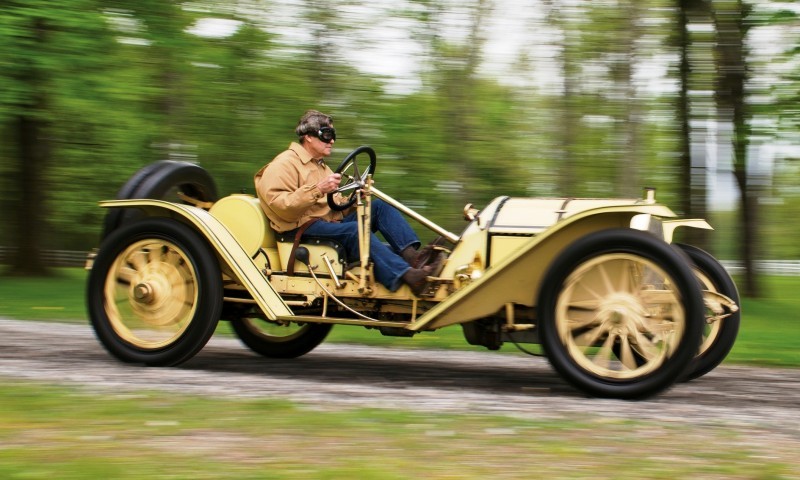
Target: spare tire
[
  {"x": 112, "y": 220},
  {"x": 162, "y": 181}
]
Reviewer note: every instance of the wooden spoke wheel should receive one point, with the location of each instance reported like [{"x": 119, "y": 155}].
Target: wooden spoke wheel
[
  {"x": 155, "y": 292},
  {"x": 620, "y": 314}
]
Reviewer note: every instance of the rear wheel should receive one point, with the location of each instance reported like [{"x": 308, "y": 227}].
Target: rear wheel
[
  {"x": 719, "y": 335},
  {"x": 279, "y": 340},
  {"x": 620, "y": 314},
  {"x": 154, "y": 293}
]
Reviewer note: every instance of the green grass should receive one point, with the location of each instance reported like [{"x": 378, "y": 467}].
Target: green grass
[
  {"x": 60, "y": 297},
  {"x": 770, "y": 327},
  {"x": 769, "y": 335},
  {"x": 56, "y": 432}
]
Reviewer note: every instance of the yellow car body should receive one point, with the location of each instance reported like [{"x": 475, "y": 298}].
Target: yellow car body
[{"x": 611, "y": 329}]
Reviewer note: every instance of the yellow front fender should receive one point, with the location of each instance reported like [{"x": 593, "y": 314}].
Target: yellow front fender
[
  {"x": 228, "y": 250},
  {"x": 516, "y": 278},
  {"x": 671, "y": 225}
]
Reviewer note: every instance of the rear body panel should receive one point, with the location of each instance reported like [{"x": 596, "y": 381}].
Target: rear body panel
[{"x": 230, "y": 252}]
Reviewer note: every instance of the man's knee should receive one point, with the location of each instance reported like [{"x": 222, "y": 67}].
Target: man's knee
[{"x": 378, "y": 206}]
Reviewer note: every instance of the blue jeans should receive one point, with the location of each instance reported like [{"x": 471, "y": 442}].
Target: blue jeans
[{"x": 389, "y": 265}]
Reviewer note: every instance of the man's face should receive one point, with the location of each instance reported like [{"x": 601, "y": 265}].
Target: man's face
[{"x": 318, "y": 148}]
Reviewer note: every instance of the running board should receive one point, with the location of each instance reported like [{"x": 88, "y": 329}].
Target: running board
[{"x": 340, "y": 321}]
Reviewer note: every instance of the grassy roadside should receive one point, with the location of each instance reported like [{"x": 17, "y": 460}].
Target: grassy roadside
[
  {"x": 769, "y": 333},
  {"x": 55, "y": 432}
]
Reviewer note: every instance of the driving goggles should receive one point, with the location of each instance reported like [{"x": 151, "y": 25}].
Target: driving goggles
[{"x": 327, "y": 134}]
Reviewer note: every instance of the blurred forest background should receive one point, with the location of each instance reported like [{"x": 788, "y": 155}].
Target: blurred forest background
[{"x": 463, "y": 101}]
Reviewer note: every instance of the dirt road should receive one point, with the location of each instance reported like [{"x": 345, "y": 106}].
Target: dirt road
[{"x": 342, "y": 376}]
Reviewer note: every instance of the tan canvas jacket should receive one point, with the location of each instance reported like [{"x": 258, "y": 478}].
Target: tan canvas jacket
[{"x": 287, "y": 189}]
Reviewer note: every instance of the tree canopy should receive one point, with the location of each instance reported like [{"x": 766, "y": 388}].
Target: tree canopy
[{"x": 554, "y": 98}]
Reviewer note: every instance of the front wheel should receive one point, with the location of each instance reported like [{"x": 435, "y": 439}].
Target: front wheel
[
  {"x": 274, "y": 340},
  {"x": 620, "y": 314},
  {"x": 154, "y": 293}
]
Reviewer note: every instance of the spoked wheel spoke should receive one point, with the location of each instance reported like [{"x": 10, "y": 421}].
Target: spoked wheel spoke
[
  {"x": 603, "y": 356},
  {"x": 588, "y": 338},
  {"x": 351, "y": 183},
  {"x": 627, "y": 355},
  {"x": 581, "y": 317}
]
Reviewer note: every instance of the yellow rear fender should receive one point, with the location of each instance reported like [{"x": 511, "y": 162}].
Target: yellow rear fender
[{"x": 230, "y": 252}]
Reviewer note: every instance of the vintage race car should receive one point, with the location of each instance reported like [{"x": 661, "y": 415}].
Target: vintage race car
[{"x": 618, "y": 309}]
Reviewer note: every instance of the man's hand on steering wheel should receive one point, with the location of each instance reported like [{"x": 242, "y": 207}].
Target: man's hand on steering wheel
[{"x": 330, "y": 183}]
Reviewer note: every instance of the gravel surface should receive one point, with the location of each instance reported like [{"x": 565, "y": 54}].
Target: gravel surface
[{"x": 336, "y": 376}]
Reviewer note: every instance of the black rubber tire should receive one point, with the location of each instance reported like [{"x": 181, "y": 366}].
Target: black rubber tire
[
  {"x": 253, "y": 333},
  {"x": 628, "y": 244},
  {"x": 712, "y": 354},
  {"x": 161, "y": 180},
  {"x": 113, "y": 218},
  {"x": 198, "y": 293}
]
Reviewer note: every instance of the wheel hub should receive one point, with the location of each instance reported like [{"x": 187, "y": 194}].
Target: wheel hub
[
  {"x": 621, "y": 314},
  {"x": 143, "y": 293},
  {"x": 157, "y": 293}
]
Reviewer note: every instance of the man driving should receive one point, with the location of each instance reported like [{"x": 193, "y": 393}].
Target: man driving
[{"x": 292, "y": 191}]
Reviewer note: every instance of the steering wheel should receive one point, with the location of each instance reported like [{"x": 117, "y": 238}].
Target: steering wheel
[{"x": 352, "y": 179}]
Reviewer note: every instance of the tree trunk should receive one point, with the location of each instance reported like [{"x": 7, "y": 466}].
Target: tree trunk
[
  {"x": 692, "y": 182},
  {"x": 32, "y": 155},
  {"x": 628, "y": 179},
  {"x": 731, "y": 81},
  {"x": 683, "y": 109},
  {"x": 569, "y": 115},
  {"x": 27, "y": 232}
]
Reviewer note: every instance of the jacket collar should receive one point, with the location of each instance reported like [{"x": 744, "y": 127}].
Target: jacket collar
[{"x": 301, "y": 152}]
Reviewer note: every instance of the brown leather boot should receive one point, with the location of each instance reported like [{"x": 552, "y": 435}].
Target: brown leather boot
[
  {"x": 417, "y": 279},
  {"x": 409, "y": 254}
]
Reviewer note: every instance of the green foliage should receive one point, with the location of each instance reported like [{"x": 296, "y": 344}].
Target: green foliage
[
  {"x": 128, "y": 83},
  {"x": 53, "y": 61}
]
